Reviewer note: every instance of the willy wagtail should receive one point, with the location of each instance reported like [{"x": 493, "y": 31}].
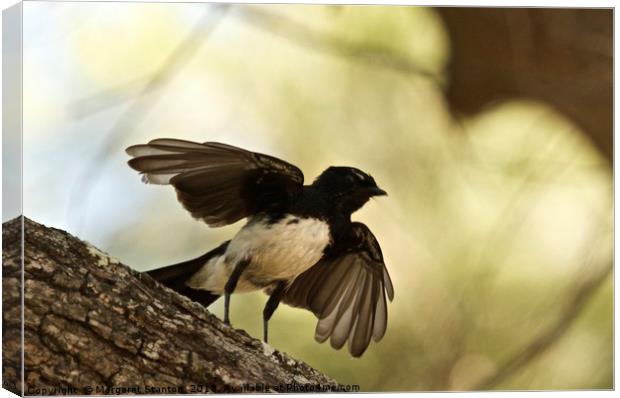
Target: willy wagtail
[{"x": 299, "y": 243}]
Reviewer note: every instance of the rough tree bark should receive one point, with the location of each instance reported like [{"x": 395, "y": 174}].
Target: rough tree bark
[{"x": 91, "y": 321}]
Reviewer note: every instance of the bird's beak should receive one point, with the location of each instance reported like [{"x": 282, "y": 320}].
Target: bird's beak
[{"x": 376, "y": 191}]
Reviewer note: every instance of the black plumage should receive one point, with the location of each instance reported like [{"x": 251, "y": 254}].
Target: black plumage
[
  {"x": 175, "y": 275},
  {"x": 344, "y": 282}
]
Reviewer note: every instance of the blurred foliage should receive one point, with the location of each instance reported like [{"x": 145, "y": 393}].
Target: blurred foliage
[{"x": 491, "y": 224}]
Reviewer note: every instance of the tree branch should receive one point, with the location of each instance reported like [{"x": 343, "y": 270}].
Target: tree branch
[
  {"x": 293, "y": 31},
  {"x": 573, "y": 308},
  {"x": 312, "y": 39},
  {"x": 91, "y": 322},
  {"x": 563, "y": 57},
  {"x": 142, "y": 103}
]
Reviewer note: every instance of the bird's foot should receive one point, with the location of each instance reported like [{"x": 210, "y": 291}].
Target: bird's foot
[{"x": 268, "y": 350}]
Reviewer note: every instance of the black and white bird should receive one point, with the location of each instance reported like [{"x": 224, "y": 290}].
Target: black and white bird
[{"x": 299, "y": 244}]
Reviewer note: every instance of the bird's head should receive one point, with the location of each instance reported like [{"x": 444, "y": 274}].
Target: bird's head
[{"x": 348, "y": 187}]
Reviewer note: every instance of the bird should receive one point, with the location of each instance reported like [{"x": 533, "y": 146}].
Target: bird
[{"x": 299, "y": 244}]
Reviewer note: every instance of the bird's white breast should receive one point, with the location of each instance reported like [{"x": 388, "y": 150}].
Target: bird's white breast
[{"x": 281, "y": 250}]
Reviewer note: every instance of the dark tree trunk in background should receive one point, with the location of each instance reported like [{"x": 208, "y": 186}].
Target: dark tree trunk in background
[
  {"x": 91, "y": 321},
  {"x": 563, "y": 57}
]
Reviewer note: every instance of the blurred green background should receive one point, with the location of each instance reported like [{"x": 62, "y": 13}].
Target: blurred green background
[{"x": 498, "y": 229}]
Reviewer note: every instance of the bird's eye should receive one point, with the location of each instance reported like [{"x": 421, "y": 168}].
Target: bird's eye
[{"x": 359, "y": 176}]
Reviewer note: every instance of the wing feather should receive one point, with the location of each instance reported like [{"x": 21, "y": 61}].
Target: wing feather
[
  {"x": 347, "y": 291},
  {"x": 348, "y": 314},
  {"x": 380, "y": 322},
  {"x": 361, "y": 333},
  {"x": 216, "y": 182}
]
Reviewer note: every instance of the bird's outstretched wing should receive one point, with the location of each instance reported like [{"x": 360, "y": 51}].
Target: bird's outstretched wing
[
  {"x": 215, "y": 182},
  {"x": 347, "y": 293}
]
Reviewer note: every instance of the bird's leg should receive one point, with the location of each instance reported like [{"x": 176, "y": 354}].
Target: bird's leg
[
  {"x": 231, "y": 285},
  {"x": 271, "y": 306}
]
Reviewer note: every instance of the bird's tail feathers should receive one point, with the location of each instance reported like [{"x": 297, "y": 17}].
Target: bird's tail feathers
[{"x": 174, "y": 276}]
